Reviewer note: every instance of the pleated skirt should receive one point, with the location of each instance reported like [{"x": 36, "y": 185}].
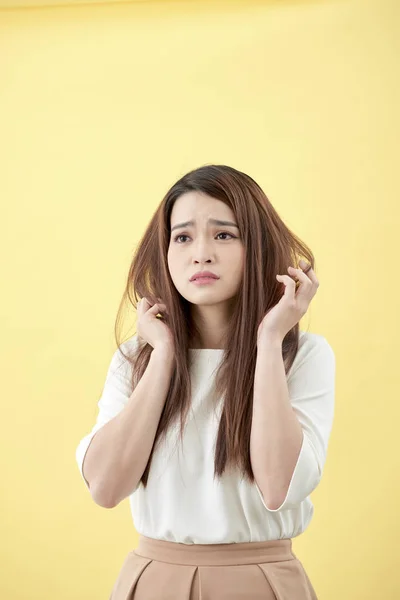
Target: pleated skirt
[{"x": 163, "y": 570}]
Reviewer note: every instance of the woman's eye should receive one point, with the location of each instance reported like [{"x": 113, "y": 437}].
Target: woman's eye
[
  {"x": 184, "y": 236},
  {"x": 225, "y": 233}
]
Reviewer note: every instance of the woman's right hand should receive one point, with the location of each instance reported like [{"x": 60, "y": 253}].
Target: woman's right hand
[{"x": 149, "y": 328}]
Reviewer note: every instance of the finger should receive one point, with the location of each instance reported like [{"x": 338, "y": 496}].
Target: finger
[
  {"x": 154, "y": 309},
  {"x": 288, "y": 282},
  {"x": 159, "y": 310},
  {"x": 304, "y": 266},
  {"x": 143, "y": 305},
  {"x": 146, "y": 303},
  {"x": 307, "y": 270},
  {"x": 299, "y": 273},
  {"x": 306, "y": 281},
  {"x": 305, "y": 287}
]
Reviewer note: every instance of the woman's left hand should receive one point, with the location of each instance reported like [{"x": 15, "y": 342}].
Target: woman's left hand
[{"x": 293, "y": 305}]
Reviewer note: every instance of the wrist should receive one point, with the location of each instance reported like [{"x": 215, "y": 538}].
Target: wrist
[
  {"x": 270, "y": 340},
  {"x": 164, "y": 349}
]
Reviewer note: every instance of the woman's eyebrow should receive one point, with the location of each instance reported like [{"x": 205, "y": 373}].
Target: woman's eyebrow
[{"x": 212, "y": 221}]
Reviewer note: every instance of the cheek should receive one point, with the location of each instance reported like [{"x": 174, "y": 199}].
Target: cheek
[
  {"x": 237, "y": 260},
  {"x": 170, "y": 258},
  {"x": 173, "y": 266}
]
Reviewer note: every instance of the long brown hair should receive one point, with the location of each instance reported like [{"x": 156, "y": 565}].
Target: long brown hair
[{"x": 269, "y": 248}]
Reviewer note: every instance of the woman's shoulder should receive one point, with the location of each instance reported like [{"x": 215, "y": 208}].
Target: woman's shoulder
[
  {"x": 314, "y": 348},
  {"x": 131, "y": 344},
  {"x": 309, "y": 341},
  {"x": 126, "y": 348}
]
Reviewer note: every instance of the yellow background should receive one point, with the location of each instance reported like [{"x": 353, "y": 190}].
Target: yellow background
[{"x": 102, "y": 108}]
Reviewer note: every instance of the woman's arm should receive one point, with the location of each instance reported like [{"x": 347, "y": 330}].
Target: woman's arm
[
  {"x": 292, "y": 421},
  {"x": 118, "y": 453}
]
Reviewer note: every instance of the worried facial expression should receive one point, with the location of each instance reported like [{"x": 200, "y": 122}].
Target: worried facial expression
[{"x": 204, "y": 245}]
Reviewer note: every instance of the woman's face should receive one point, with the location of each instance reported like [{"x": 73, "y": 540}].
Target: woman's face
[{"x": 204, "y": 246}]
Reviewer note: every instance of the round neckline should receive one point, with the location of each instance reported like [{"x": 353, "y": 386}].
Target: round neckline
[
  {"x": 301, "y": 332},
  {"x": 206, "y": 349}
]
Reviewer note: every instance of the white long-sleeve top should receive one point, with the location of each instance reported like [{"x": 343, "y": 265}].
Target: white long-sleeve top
[{"x": 182, "y": 502}]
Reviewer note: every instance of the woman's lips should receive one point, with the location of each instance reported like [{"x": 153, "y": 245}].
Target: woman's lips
[{"x": 204, "y": 280}]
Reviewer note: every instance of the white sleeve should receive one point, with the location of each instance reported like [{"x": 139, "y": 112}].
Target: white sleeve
[
  {"x": 116, "y": 392},
  {"x": 311, "y": 385}
]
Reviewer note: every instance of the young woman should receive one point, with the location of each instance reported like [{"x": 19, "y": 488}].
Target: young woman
[{"x": 215, "y": 416}]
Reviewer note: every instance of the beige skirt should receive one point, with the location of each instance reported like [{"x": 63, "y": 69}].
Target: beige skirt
[{"x": 161, "y": 570}]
